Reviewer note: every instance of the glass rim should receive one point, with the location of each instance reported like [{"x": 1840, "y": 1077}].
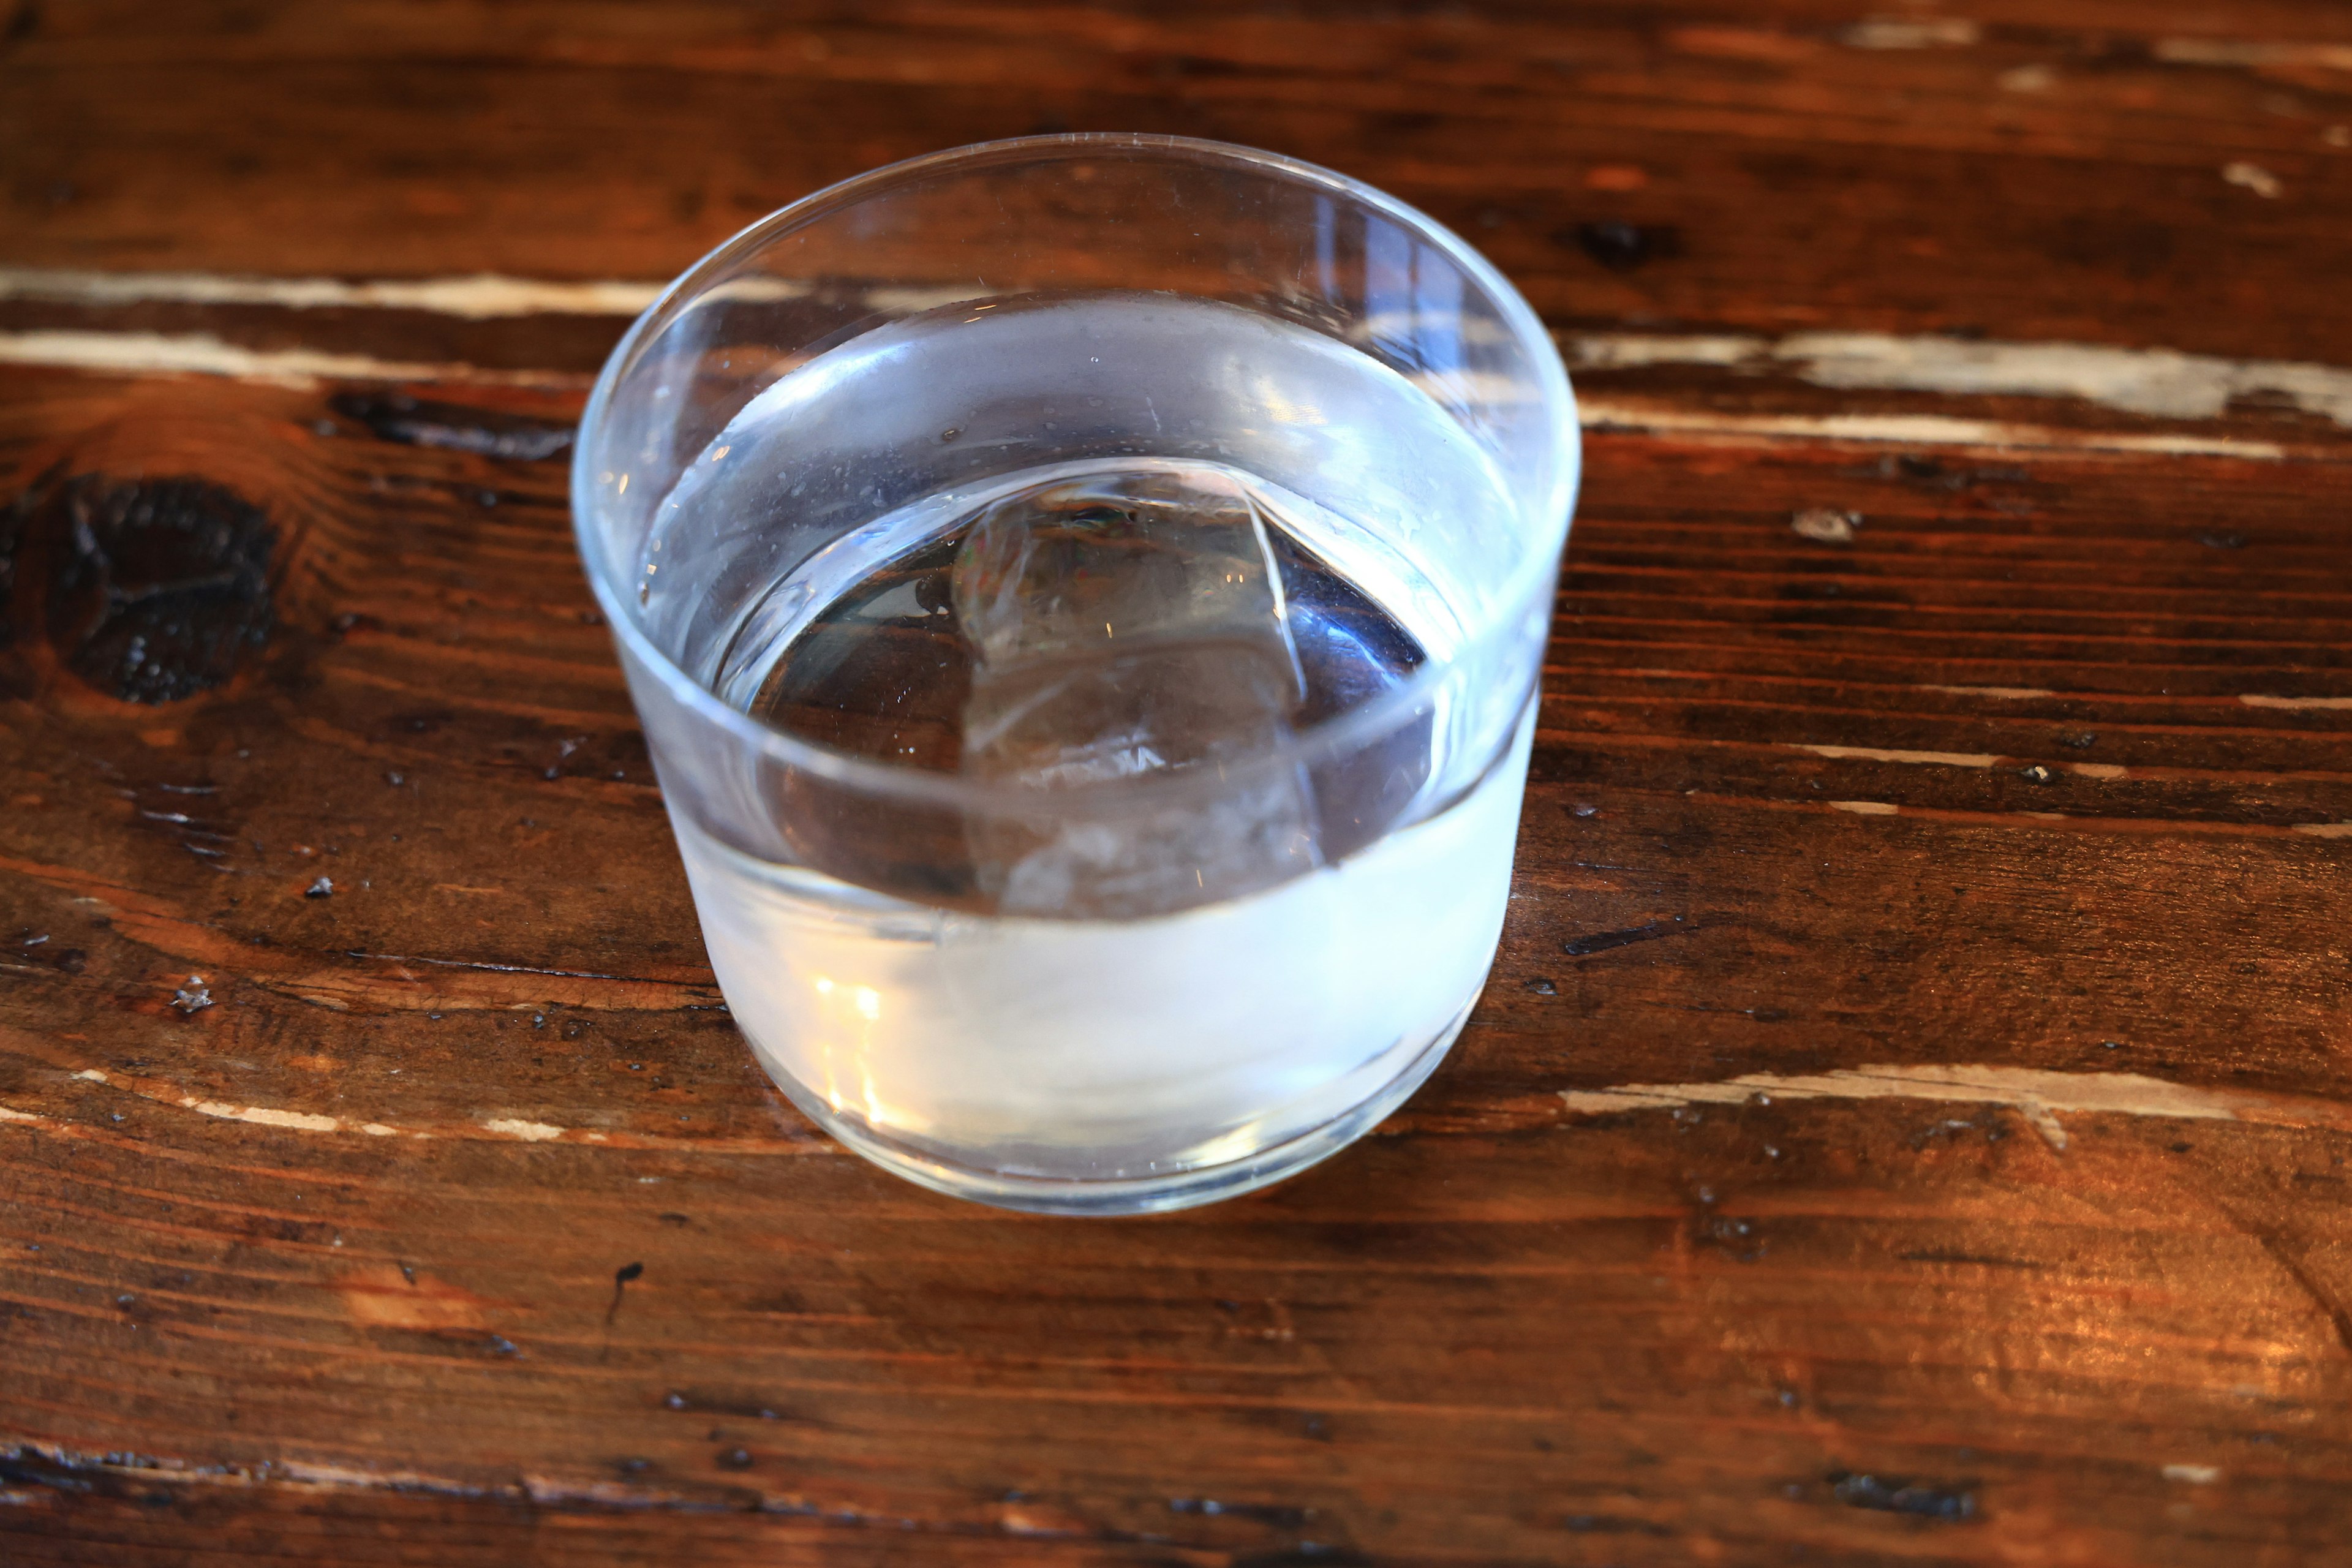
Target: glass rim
[{"x": 868, "y": 775}]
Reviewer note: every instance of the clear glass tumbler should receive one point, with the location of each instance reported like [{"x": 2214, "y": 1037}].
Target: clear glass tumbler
[{"x": 1085, "y": 596}]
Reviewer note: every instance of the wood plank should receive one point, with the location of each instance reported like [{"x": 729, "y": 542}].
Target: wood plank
[
  {"x": 2022, "y": 173},
  {"x": 1917, "y": 388},
  {"x": 337, "y": 1257}
]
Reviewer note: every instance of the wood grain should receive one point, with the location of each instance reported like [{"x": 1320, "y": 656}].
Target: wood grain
[
  {"x": 381, "y": 1178},
  {"x": 1808, "y": 172},
  {"x": 357, "y": 1225}
]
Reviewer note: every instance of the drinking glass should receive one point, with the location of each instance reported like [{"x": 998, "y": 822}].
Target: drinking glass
[{"x": 1083, "y": 596}]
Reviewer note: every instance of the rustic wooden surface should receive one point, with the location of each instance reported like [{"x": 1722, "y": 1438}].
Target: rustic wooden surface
[{"x": 2000, "y": 843}]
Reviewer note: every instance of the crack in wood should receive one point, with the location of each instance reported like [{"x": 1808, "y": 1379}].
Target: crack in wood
[{"x": 2036, "y": 1093}]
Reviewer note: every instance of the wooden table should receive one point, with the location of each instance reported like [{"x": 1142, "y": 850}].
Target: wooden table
[{"x": 1953, "y": 674}]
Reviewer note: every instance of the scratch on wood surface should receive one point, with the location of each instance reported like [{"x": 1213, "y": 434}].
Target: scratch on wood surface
[
  {"x": 2039, "y": 1094},
  {"x": 1885, "y": 754},
  {"x": 1647, "y": 419},
  {"x": 462, "y": 1316},
  {"x": 2018, "y": 692},
  {"x": 2245, "y": 53},
  {"x": 1866, "y": 807},
  {"x": 783, "y": 1139},
  {"x": 388, "y": 1295},
  {"x": 2256, "y": 699},
  {"x": 1906, "y": 32},
  {"x": 2326, "y": 830},
  {"x": 389, "y": 984}
]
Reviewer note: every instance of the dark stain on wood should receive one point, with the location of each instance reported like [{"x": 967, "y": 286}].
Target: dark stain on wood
[
  {"x": 621, "y": 1278},
  {"x": 158, "y": 587},
  {"x": 1623, "y": 247},
  {"x": 1606, "y": 941},
  {"x": 398, "y": 416},
  {"x": 13, "y": 521},
  {"x": 1896, "y": 1494}
]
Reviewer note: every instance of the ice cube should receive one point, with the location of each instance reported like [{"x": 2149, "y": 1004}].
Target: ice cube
[{"x": 1127, "y": 624}]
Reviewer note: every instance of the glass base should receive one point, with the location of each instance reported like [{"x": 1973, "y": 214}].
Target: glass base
[{"x": 1144, "y": 1194}]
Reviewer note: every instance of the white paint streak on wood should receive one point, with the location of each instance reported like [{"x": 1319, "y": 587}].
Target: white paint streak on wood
[
  {"x": 2195, "y": 1475},
  {"x": 2157, "y": 382},
  {"x": 2040, "y": 1117},
  {"x": 371, "y": 1477},
  {"x": 2020, "y": 693},
  {"x": 377, "y": 1129},
  {"x": 2326, "y": 830},
  {"x": 1885, "y": 754},
  {"x": 1910, "y": 33},
  {"x": 2255, "y": 700},
  {"x": 2255, "y": 178},
  {"x": 306, "y": 1121},
  {"x": 1906, "y": 429},
  {"x": 2243, "y": 54},
  {"x": 91, "y": 1074},
  {"x": 264, "y": 1116},
  {"x": 1637, "y": 350},
  {"x": 2099, "y": 770},
  {"x": 9, "y": 1113},
  {"x": 1825, "y": 525},
  {"x": 529, "y": 1131},
  {"x": 2160, "y": 382},
  {"x": 158, "y": 354},
  {"x": 1866, "y": 807},
  {"x": 2039, "y": 1094},
  {"x": 482, "y": 296}
]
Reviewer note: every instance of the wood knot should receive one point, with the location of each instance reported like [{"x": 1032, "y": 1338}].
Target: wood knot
[{"x": 157, "y": 586}]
